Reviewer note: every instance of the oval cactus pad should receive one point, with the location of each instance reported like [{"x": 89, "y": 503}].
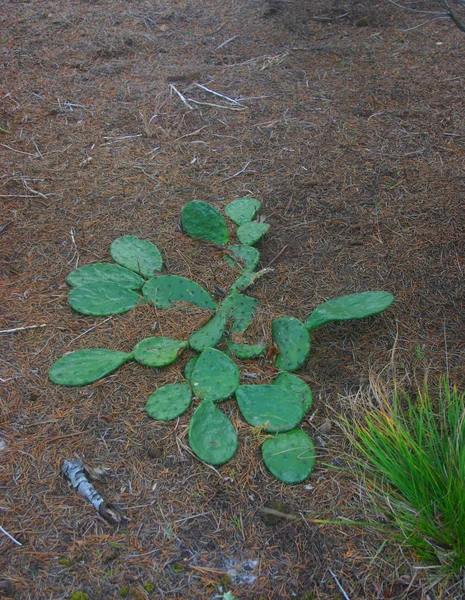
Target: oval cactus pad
[
  {"x": 290, "y": 456},
  {"x": 353, "y": 306},
  {"x": 165, "y": 290},
  {"x": 293, "y": 342},
  {"x": 250, "y": 233},
  {"x": 169, "y": 401},
  {"x": 101, "y": 299},
  {"x": 190, "y": 366},
  {"x": 105, "y": 272},
  {"x": 244, "y": 351},
  {"x": 215, "y": 376},
  {"x": 241, "y": 310},
  {"x": 242, "y": 210},
  {"x": 211, "y": 434},
  {"x": 269, "y": 406},
  {"x": 247, "y": 279},
  {"x": 243, "y": 257},
  {"x": 158, "y": 351},
  {"x": 140, "y": 256},
  {"x": 293, "y": 384},
  {"x": 211, "y": 333},
  {"x": 202, "y": 220},
  {"x": 86, "y": 366}
]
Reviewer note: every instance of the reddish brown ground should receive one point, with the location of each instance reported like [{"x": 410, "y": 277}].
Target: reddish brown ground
[{"x": 352, "y": 137}]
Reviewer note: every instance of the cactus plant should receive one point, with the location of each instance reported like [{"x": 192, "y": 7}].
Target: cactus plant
[
  {"x": 269, "y": 406},
  {"x": 247, "y": 279},
  {"x": 86, "y": 366},
  {"x": 211, "y": 333},
  {"x": 102, "y": 299},
  {"x": 169, "y": 401},
  {"x": 215, "y": 376},
  {"x": 165, "y": 290},
  {"x": 292, "y": 383},
  {"x": 250, "y": 233},
  {"x": 289, "y": 456},
  {"x": 202, "y": 220},
  {"x": 244, "y": 351},
  {"x": 293, "y": 342},
  {"x": 241, "y": 309},
  {"x": 190, "y": 366},
  {"x": 244, "y": 257},
  {"x": 105, "y": 272},
  {"x": 242, "y": 210},
  {"x": 158, "y": 351},
  {"x": 211, "y": 434},
  {"x": 140, "y": 256}
]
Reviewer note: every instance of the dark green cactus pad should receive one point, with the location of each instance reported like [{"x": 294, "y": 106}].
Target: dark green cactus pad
[
  {"x": 269, "y": 406},
  {"x": 250, "y": 233},
  {"x": 158, "y": 351},
  {"x": 243, "y": 257},
  {"x": 169, "y": 401},
  {"x": 290, "y": 456},
  {"x": 105, "y": 272},
  {"x": 140, "y": 256},
  {"x": 247, "y": 279},
  {"x": 293, "y": 384},
  {"x": 244, "y": 351},
  {"x": 242, "y": 210},
  {"x": 165, "y": 290},
  {"x": 215, "y": 376},
  {"x": 241, "y": 310},
  {"x": 211, "y": 333},
  {"x": 202, "y": 220},
  {"x": 293, "y": 342},
  {"x": 190, "y": 367},
  {"x": 101, "y": 299},
  {"x": 86, "y": 366},
  {"x": 353, "y": 306},
  {"x": 211, "y": 434}
]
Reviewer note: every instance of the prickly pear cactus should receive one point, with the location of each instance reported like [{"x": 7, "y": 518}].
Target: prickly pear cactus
[
  {"x": 102, "y": 299},
  {"x": 105, "y": 273},
  {"x": 242, "y": 210},
  {"x": 211, "y": 333},
  {"x": 140, "y": 256},
  {"x": 169, "y": 401},
  {"x": 293, "y": 342},
  {"x": 245, "y": 258},
  {"x": 202, "y": 220},
  {"x": 86, "y": 366},
  {"x": 215, "y": 376},
  {"x": 165, "y": 290},
  {"x": 211, "y": 434}
]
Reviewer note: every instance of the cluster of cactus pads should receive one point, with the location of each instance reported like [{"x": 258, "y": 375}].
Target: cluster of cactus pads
[{"x": 211, "y": 376}]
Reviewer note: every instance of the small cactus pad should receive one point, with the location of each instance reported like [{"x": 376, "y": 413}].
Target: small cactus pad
[
  {"x": 215, "y": 376},
  {"x": 250, "y": 233},
  {"x": 244, "y": 351},
  {"x": 290, "y": 456},
  {"x": 211, "y": 434},
  {"x": 241, "y": 310},
  {"x": 202, "y": 220},
  {"x": 169, "y": 401},
  {"x": 165, "y": 290},
  {"x": 247, "y": 279},
  {"x": 353, "y": 306},
  {"x": 105, "y": 273},
  {"x": 86, "y": 366},
  {"x": 269, "y": 406},
  {"x": 292, "y": 383},
  {"x": 243, "y": 257},
  {"x": 293, "y": 342},
  {"x": 101, "y": 299},
  {"x": 158, "y": 351},
  {"x": 242, "y": 210},
  {"x": 140, "y": 256},
  {"x": 190, "y": 367},
  {"x": 211, "y": 333}
]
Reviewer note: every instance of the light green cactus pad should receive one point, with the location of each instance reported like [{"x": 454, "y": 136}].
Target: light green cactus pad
[
  {"x": 247, "y": 279},
  {"x": 290, "y": 456},
  {"x": 86, "y": 366},
  {"x": 211, "y": 333},
  {"x": 245, "y": 351},
  {"x": 245, "y": 258},
  {"x": 242, "y": 210},
  {"x": 241, "y": 310},
  {"x": 105, "y": 273},
  {"x": 202, "y": 220},
  {"x": 250, "y": 233},
  {"x": 269, "y": 406},
  {"x": 211, "y": 434},
  {"x": 158, "y": 351},
  {"x": 215, "y": 376},
  {"x": 190, "y": 367},
  {"x": 353, "y": 306},
  {"x": 165, "y": 290},
  {"x": 293, "y": 342},
  {"x": 169, "y": 401},
  {"x": 140, "y": 256},
  {"x": 101, "y": 299},
  {"x": 294, "y": 384}
]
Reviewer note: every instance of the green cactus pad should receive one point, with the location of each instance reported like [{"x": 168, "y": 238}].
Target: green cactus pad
[
  {"x": 105, "y": 273},
  {"x": 243, "y": 257},
  {"x": 101, "y": 299},
  {"x": 293, "y": 384},
  {"x": 211, "y": 333},
  {"x": 242, "y": 210},
  {"x": 211, "y": 434},
  {"x": 158, "y": 351},
  {"x": 247, "y": 279},
  {"x": 353, "y": 306},
  {"x": 250, "y": 233},
  {"x": 293, "y": 342},
  {"x": 190, "y": 367},
  {"x": 290, "y": 456},
  {"x": 202, "y": 220},
  {"x": 165, "y": 290},
  {"x": 169, "y": 401},
  {"x": 241, "y": 310},
  {"x": 86, "y": 366},
  {"x": 215, "y": 376},
  {"x": 269, "y": 406},
  {"x": 140, "y": 256},
  {"x": 244, "y": 351}
]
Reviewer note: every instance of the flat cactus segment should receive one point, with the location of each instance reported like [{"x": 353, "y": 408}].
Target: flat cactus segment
[
  {"x": 190, "y": 367},
  {"x": 158, "y": 351},
  {"x": 105, "y": 272},
  {"x": 101, "y": 299},
  {"x": 290, "y": 456},
  {"x": 353, "y": 306},
  {"x": 165, "y": 290},
  {"x": 293, "y": 384},
  {"x": 244, "y": 257},
  {"x": 211, "y": 333},
  {"x": 211, "y": 434},
  {"x": 202, "y": 220},
  {"x": 86, "y": 366},
  {"x": 269, "y": 406},
  {"x": 169, "y": 401},
  {"x": 244, "y": 351},
  {"x": 215, "y": 376},
  {"x": 247, "y": 279},
  {"x": 250, "y": 233},
  {"x": 140, "y": 256},
  {"x": 241, "y": 310},
  {"x": 293, "y": 342},
  {"x": 242, "y": 210}
]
